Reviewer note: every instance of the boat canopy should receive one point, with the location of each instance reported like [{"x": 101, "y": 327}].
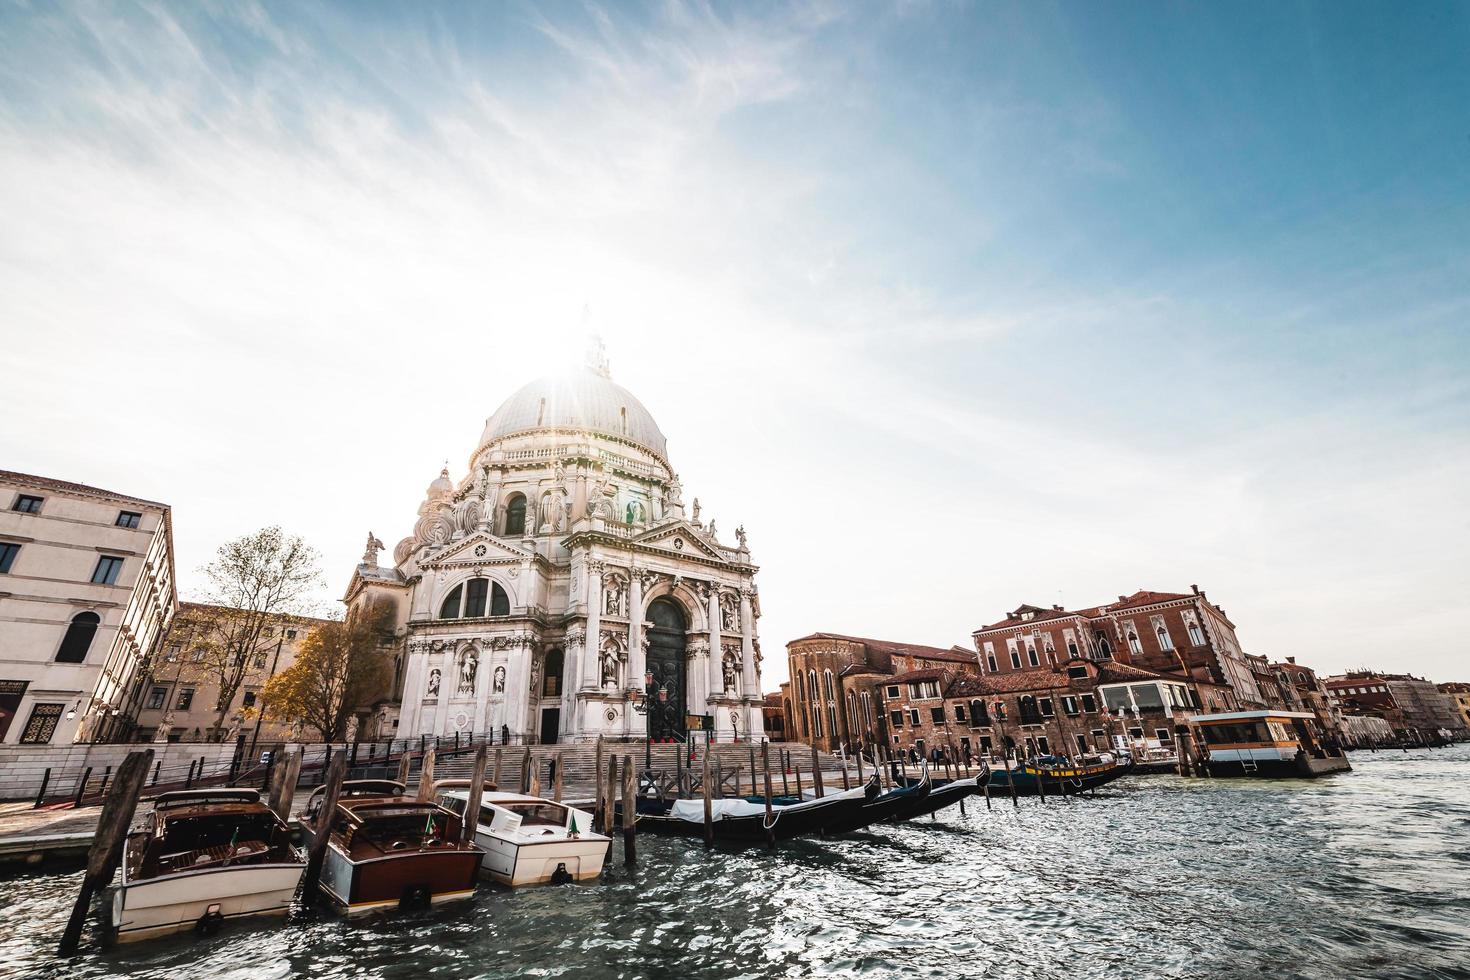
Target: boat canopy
[{"x": 1226, "y": 717}]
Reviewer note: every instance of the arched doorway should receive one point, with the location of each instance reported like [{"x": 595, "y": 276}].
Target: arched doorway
[
  {"x": 666, "y": 664},
  {"x": 551, "y": 685}
]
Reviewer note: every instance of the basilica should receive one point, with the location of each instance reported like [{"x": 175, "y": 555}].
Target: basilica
[{"x": 561, "y": 590}]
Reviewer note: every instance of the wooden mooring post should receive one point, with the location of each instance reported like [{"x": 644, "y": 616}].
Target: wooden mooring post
[
  {"x": 597, "y": 778},
  {"x": 630, "y": 811},
  {"x": 496, "y": 778},
  {"x": 283, "y": 784},
  {"x": 107, "y": 844},
  {"x": 785, "y": 767},
  {"x": 477, "y": 793},
  {"x": 556, "y": 783},
  {"x": 709, "y": 806},
  {"x": 405, "y": 760},
  {"x": 610, "y": 795},
  {"x": 535, "y": 788},
  {"x": 526, "y": 769},
  {"x": 426, "y": 774},
  {"x": 817, "y": 773},
  {"x": 322, "y": 830},
  {"x": 770, "y": 818}
]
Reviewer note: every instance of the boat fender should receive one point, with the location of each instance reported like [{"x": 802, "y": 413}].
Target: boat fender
[
  {"x": 416, "y": 897},
  {"x": 210, "y": 921},
  {"x": 561, "y": 875}
]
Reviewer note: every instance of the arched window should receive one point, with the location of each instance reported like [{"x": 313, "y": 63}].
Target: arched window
[
  {"x": 78, "y": 638},
  {"x": 449, "y": 608},
  {"x": 1103, "y": 648},
  {"x": 1030, "y": 713},
  {"x": 1133, "y": 642},
  {"x": 978, "y": 715},
  {"x": 515, "y": 516},
  {"x": 827, "y": 683},
  {"x": 1164, "y": 642},
  {"x": 499, "y": 601},
  {"x": 551, "y": 675},
  {"x": 475, "y": 591}
]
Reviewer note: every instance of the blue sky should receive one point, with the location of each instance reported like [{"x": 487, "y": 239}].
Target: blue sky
[{"x": 954, "y": 306}]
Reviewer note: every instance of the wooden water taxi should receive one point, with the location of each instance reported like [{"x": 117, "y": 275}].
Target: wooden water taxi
[
  {"x": 204, "y": 857},
  {"x": 528, "y": 840},
  {"x": 388, "y": 849},
  {"x": 1267, "y": 743}
]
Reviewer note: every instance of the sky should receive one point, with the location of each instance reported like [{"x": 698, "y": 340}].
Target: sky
[{"x": 954, "y": 306}]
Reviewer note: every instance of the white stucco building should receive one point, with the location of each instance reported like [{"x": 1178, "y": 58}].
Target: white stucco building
[
  {"x": 540, "y": 589},
  {"x": 86, "y": 588}
]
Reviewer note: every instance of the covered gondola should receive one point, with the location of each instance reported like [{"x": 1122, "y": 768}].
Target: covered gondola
[
  {"x": 740, "y": 821},
  {"x": 1056, "y": 776}
]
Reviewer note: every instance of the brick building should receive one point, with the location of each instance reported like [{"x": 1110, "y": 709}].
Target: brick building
[
  {"x": 1303, "y": 690},
  {"x": 1165, "y": 632},
  {"x": 829, "y": 701}
]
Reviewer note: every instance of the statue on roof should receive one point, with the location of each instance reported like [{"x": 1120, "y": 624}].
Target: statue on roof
[{"x": 370, "y": 554}]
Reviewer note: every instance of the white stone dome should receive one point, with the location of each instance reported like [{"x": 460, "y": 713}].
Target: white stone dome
[{"x": 585, "y": 399}]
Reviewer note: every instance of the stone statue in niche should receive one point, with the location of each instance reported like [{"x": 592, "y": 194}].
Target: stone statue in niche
[
  {"x": 469, "y": 665},
  {"x": 729, "y": 616},
  {"x": 613, "y": 597},
  {"x": 729, "y": 664},
  {"x": 499, "y": 682},
  {"x": 433, "y": 689},
  {"x": 609, "y": 668},
  {"x": 633, "y": 513}
]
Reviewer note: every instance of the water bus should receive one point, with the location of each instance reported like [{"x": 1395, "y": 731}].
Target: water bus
[{"x": 1267, "y": 743}]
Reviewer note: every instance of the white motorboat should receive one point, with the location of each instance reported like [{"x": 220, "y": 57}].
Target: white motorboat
[
  {"x": 529, "y": 840},
  {"x": 203, "y": 857}
]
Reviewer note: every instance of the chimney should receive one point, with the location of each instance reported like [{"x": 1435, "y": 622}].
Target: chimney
[
  {"x": 1195, "y": 589},
  {"x": 1291, "y": 660},
  {"x": 1122, "y": 598}
]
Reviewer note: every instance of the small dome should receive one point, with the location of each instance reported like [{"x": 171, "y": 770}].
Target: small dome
[
  {"x": 442, "y": 487},
  {"x": 586, "y": 399}
]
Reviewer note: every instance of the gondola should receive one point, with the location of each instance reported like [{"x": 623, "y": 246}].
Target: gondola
[
  {"x": 1056, "y": 776},
  {"x": 884, "y": 806},
  {"x": 940, "y": 795},
  {"x": 739, "y": 821}
]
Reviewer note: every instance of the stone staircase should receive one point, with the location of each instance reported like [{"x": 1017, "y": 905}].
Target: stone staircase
[{"x": 730, "y": 763}]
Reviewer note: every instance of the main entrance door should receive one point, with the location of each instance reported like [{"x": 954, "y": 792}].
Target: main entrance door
[
  {"x": 666, "y": 664},
  {"x": 550, "y": 725}
]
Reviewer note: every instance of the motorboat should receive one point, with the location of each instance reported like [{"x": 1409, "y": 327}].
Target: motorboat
[
  {"x": 739, "y": 820},
  {"x": 528, "y": 840},
  {"x": 203, "y": 857},
  {"x": 388, "y": 849}
]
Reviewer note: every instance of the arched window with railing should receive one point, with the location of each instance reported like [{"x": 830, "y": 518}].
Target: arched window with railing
[{"x": 515, "y": 515}]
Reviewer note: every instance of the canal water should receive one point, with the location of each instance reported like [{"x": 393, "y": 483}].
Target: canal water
[{"x": 1364, "y": 874}]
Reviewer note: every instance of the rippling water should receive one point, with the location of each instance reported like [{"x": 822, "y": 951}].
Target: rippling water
[{"x": 1361, "y": 874}]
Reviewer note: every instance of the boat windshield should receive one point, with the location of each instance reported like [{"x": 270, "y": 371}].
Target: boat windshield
[
  {"x": 537, "y": 814},
  {"x": 400, "y": 824}
]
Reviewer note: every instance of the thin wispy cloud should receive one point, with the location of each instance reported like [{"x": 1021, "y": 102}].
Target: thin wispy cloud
[{"x": 951, "y": 312}]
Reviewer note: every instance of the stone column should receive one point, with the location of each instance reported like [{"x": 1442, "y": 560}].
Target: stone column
[
  {"x": 417, "y": 675},
  {"x": 716, "y": 649},
  {"x": 749, "y": 680},
  {"x": 482, "y": 690},
  {"x": 447, "y": 680},
  {"x": 572, "y": 650},
  {"x": 591, "y": 653},
  {"x": 697, "y": 677},
  {"x": 636, "y": 663},
  {"x": 518, "y": 688}
]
